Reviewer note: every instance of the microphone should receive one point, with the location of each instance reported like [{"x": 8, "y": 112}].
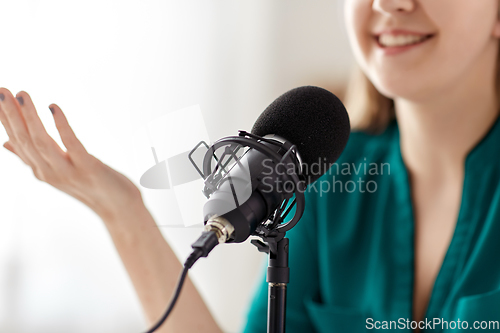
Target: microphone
[{"x": 293, "y": 142}]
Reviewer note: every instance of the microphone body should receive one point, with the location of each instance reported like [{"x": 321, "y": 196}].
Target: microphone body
[{"x": 260, "y": 181}]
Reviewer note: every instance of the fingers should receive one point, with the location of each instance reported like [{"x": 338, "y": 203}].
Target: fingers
[
  {"x": 5, "y": 123},
  {"x": 16, "y": 129},
  {"x": 30, "y": 141},
  {"x": 74, "y": 147},
  {"x": 41, "y": 140},
  {"x": 28, "y": 138}
]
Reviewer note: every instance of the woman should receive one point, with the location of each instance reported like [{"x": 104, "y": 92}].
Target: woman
[{"x": 418, "y": 246}]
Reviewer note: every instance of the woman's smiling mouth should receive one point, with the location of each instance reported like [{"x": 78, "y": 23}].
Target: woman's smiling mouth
[{"x": 393, "y": 42}]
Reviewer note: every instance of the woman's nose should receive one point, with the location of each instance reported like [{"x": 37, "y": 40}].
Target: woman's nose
[{"x": 389, "y": 7}]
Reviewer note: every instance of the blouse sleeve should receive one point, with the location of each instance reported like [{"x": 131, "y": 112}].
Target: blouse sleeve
[{"x": 304, "y": 277}]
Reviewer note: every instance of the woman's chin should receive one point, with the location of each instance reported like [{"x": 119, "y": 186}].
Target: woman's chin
[{"x": 402, "y": 90}]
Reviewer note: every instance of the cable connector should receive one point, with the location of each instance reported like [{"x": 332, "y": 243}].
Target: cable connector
[
  {"x": 217, "y": 230},
  {"x": 221, "y": 227},
  {"x": 206, "y": 242},
  {"x": 202, "y": 247}
]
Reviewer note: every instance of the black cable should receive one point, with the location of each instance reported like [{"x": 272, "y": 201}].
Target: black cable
[
  {"x": 172, "y": 302},
  {"x": 205, "y": 244}
]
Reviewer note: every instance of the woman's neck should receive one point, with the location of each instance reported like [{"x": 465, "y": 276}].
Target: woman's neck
[{"x": 437, "y": 134}]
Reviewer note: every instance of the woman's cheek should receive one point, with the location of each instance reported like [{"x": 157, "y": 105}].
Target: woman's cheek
[{"x": 358, "y": 14}]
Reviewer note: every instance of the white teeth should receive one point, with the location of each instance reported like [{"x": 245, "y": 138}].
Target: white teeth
[{"x": 399, "y": 40}]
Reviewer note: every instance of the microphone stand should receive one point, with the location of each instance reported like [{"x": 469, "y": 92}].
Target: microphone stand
[{"x": 278, "y": 273}]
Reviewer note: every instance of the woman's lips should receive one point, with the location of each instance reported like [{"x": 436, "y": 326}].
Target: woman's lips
[{"x": 400, "y": 38}]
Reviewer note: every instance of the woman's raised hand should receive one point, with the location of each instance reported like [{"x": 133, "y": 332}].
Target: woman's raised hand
[
  {"x": 149, "y": 260},
  {"x": 73, "y": 171}
]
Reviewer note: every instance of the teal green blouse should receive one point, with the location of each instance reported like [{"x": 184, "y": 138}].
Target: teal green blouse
[{"x": 352, "y": 253}]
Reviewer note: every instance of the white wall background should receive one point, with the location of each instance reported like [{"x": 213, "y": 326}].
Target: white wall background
[{"x": 113, "y": 66}]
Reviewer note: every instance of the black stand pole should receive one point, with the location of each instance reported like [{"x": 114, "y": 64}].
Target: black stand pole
[{"x": 278, "y": 274}]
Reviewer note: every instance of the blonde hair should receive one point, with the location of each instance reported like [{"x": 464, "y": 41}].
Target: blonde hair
[{"x": 369, "y": 110}]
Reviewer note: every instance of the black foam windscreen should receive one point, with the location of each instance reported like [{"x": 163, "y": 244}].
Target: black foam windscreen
[{"x": 314, "y": 120}]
